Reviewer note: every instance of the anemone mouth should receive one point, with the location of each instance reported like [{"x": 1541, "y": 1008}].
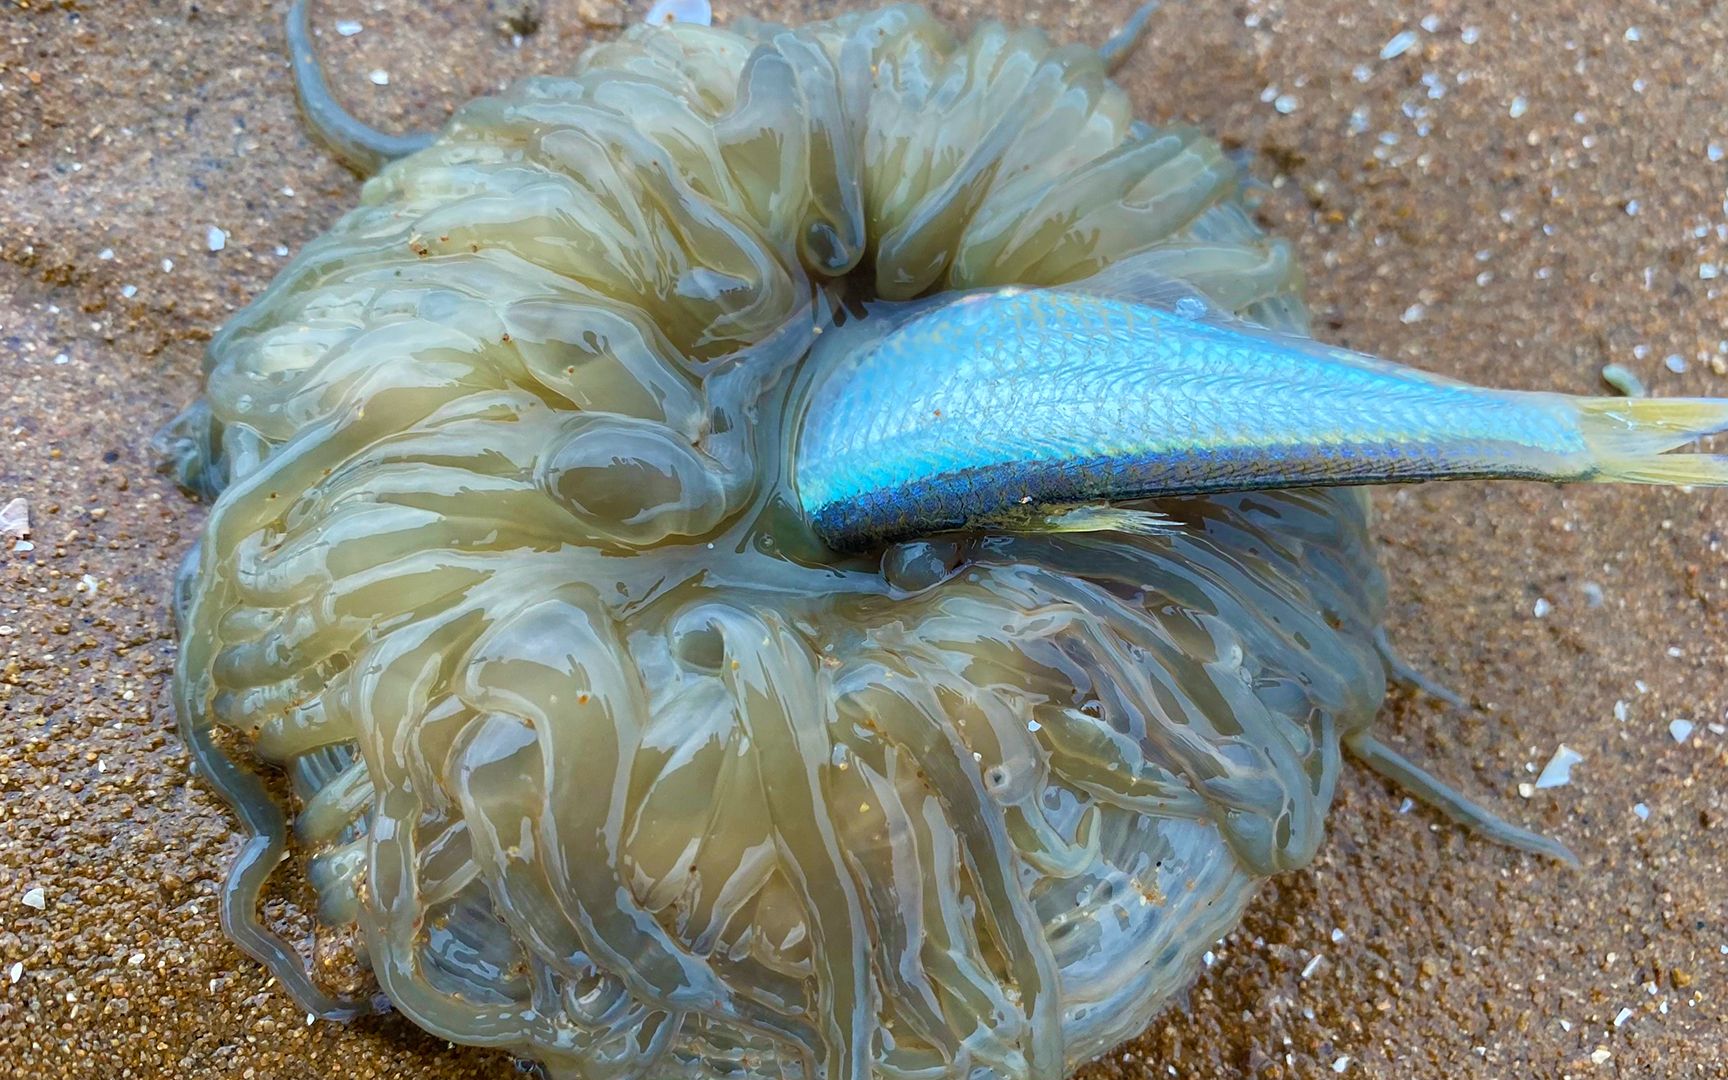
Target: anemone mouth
[{"x": 599, "y": 754}]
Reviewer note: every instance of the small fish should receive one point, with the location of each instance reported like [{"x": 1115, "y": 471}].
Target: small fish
[{"x": 1018, "y": 408}]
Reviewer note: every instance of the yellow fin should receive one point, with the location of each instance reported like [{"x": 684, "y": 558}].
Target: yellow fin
[
  {"x": 1701, "y": 470},
  {"x": 1081, "y": 518},
  {"x": 1629, "y": 439}
]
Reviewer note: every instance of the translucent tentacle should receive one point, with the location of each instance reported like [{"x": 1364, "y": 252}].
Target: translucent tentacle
[
  {"x": 1434, "y": 792},
  {"x": 1402, "y": 672},
  {"x": 266, "y": 843},
  {"x": 1116, "y": 51},
  {"x": 356, "y": 144}
]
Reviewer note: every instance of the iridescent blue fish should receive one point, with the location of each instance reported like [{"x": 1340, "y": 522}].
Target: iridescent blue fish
[{"x": 1020, "y": 408}]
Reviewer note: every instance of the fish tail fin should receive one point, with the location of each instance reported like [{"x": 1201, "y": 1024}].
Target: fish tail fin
[
  {"x": 1686, "y": 470},
  {"x": 1629, "y": 439}
]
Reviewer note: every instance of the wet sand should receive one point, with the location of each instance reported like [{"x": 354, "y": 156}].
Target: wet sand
[{"x": 1516, "y": 198}]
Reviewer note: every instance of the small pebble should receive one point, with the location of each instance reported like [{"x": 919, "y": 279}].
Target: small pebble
[
  {"x": 1674, "y": 362},
  {"x": 36, "y": 898},
  {"x": 1541, "y": 608},
  {"x": 1285, "y": 103},
  {"x": 1341, "y": 1064},
  {"x": 379, "y": 77},
  {"x": 1518, "y": 107},
  {"x": 348, "y": 27},
  {"x": 1642, "y": 811},
  {"x": 215, "y": 239},
  {"x": 15, "y": 972},
  {"x": 1680, "y": 730},
  {"x": 1622, "y": 1016}
]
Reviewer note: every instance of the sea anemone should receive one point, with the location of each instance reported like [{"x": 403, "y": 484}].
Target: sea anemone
[{"x": 594, "y": 752}]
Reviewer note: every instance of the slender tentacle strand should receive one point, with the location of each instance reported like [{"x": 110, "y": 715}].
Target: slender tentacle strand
[
  {"x": 359, "y": 146},
  {"x": 596, "y": 753}
]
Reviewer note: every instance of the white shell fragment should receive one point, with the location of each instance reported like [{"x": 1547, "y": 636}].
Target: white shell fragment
[
  {"x": 667, "y": 12},
  {"x": 1401, "y": 43},
  {"x": 1558, "y": 771},
  {"x": 1680, "y": 730},
  {"x": 15, "y": 520}
]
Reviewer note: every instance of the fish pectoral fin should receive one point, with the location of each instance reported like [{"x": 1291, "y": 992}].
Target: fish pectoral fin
[
  {"x": 1143, "y": 279},
  {"x": 1086, "y": 517}
]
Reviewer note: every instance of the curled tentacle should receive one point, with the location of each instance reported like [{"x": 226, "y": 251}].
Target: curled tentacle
[
  {"x": 358, "y": 145},
  {"x": 1121, "y": 45}
]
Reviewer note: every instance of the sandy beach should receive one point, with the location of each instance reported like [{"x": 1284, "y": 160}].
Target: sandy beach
[{"x": 1509, "y": 194}]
